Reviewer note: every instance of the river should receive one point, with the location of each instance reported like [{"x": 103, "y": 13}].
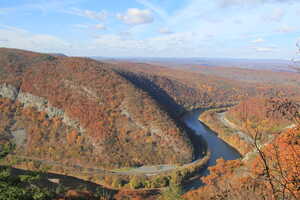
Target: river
[{"x": 217, "y": 147}]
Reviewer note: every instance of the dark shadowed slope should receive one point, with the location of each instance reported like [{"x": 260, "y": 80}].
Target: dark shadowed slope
[{"x": 79, "y": 111}]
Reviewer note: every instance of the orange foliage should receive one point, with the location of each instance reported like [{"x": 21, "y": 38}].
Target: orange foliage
[
  {"x": 104, "y": 103},
  {"x": 237, "y": 181},
  {"x": 72, "y": 137},
  {"x": 222, "y": 167},
  {"x": 253, "y": 114},
  {"x": 283, "y": 157}
]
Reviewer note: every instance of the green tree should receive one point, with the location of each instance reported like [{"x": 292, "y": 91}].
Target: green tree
[
  {"x": 173, "y": 192},
  {"x": 135, "y": 182},
  {"x": 18, "y": 187}
]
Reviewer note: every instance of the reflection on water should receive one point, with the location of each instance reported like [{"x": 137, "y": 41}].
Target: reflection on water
[{"x": 218, "y": 147}]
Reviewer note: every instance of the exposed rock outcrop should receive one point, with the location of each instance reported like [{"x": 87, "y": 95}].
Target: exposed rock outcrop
[
  {"x": 40, "y": 103},
  {"x": 82, "y": 111}
]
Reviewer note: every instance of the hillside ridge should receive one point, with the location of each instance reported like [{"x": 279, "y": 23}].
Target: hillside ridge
[{"x": 85, "y": 107}]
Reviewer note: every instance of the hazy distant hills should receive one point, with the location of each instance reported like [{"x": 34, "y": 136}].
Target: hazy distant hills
[
  {"x": 267, "y": 64},
  {"x": 116, "y": 113},
  {"x": 58, "y": 54},
  {"x": 202, "y": 86}
]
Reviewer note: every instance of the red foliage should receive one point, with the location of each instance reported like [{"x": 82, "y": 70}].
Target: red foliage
[{"x": 105, "y": 105}]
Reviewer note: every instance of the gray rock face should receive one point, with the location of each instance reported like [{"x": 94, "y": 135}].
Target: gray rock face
[
  {"x": 32, "y": 101},
  {"x": 54, "y": 112},
  {"x": 8, "y": 91},
  {"x": 73, "y": 123},
  {"x": 19, "y": 136},
  {"x": 40, "y": 103}
]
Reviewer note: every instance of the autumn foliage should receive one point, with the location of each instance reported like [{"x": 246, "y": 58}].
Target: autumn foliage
[
  {"x": 273, "y": 173},
  {"x": 120, "y": 125},
  {"x": 206, "y": 87},
  {"x": 253, "y": 114}
]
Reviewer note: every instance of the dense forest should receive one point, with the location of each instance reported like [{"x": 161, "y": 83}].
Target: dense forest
[
  {"x": 273, "y": 174},
  {"x": 254, "y": 114},
  {"x": 79, "y": 111},
  {"x": 193, "y": 89},
  {"x": 84, "y": 116}
]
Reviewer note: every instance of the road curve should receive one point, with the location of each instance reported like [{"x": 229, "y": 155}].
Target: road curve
[{"x": 217, "y": 147}]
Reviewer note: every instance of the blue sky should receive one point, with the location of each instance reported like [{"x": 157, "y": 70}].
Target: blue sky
[{"x": 153, "y": 28}]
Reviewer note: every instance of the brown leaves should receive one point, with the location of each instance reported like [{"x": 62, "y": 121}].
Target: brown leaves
[
  {"x": 72, "y": 137},
  {"x": 285, "y": 108}
]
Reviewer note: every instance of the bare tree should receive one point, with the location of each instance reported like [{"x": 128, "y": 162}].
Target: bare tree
[{"x": 274, "y": 173}]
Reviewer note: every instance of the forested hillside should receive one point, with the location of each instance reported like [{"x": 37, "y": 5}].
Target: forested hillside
[
  {"x": 277, "y": 178},
  {"x": 93, "y": 115},
  {"x": 254, "y": 114},
  {"x": 196, "y": 89},
  {"x": 272, "y": 170},
  {"x": 79, "y": 111}
]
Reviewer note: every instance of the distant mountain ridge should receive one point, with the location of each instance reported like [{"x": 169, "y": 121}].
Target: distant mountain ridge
[{"x": 266, "y": 64}]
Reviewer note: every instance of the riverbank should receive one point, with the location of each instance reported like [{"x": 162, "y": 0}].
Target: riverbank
[
  {"x": 149, "y": 177},
  {"x": 117, "y": 180},
  {"x": 162, "y": 177},
  {"x": 215, "y": 120}
]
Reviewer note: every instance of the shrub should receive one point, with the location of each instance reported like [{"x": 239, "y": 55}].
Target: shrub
[
  {"x": 118, "y": 182},
  {"x": 173, "y": 192},
  {"x": 176, "y": 178},
  {"x": 103, "y": 194},
  {"x": 135, "y": 182},
  {"x": 160, "y": 181}
]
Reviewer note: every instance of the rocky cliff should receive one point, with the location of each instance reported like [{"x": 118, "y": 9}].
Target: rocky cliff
[{"x": 79, "y": 111}]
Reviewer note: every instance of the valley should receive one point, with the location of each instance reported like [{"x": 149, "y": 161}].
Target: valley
[
  {"x": 135, "y": 127},
  {"x": 149, "y": 100}
]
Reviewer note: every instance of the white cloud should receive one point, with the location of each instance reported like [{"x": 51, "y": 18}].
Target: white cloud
[
  {"x": 286, "y": 29},
  {"x": 228, "y": 3},
  {"x": 100, "y": 26},
  {"x": 258, "y": 40},
  {"x": 265, "y": 49},
  {"x": 176, "y": 44},
  {"x": 162, "y": 13},
  {"x": 165, "y": 31},
  {"x": 13, "y": 37},
  {"x": 135, "y": 16},
  {"x": 181, "y": 30},
  {"x": 86, "y": 26},
  {"x": 101, "y": 15},
  {"x": 43, "y": 6}
]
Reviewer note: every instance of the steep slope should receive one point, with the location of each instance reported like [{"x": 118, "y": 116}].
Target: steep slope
[
  {"x": 254, "y": 113},
  {"x": 194, "y": 89},
  {"x": 247, "y": 180},
  {"x": 79, "y": 111}
]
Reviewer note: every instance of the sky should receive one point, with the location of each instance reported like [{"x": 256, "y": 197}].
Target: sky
[{"x": 153, "y": 28}]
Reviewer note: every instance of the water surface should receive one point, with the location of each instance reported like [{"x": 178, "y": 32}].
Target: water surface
[{"x": 217, "y": 147}]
